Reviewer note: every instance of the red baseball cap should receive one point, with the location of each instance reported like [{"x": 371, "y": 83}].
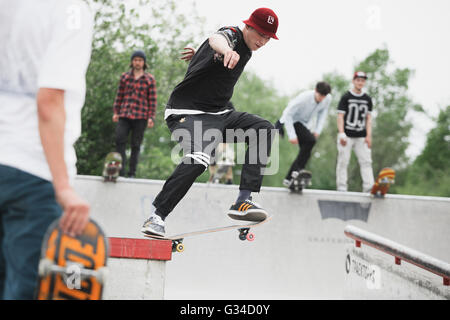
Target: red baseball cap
[
  {"x": 264, "y": 20},
  {"x": 359, "y": 74}
]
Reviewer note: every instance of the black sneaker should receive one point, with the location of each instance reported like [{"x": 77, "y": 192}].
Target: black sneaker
[{"x": 247, "y": 210}]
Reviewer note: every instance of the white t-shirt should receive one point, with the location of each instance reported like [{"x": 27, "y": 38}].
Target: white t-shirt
[{"x": 43, "y": 44}]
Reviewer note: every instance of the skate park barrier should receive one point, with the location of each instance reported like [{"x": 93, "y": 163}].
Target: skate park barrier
[
  {"x": 375, "y": 270},
  {"x": 299, "y": 254},
  {"x": 136, "y": 269}
]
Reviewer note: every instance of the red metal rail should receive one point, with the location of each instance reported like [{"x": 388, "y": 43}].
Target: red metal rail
[{"x": 400, "y": 252}]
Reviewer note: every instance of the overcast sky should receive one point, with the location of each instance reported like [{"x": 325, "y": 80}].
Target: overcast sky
[{"x": 321, "y": 36}]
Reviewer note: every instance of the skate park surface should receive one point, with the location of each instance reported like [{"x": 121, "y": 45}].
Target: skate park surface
[{"x": 300, "y": 254}]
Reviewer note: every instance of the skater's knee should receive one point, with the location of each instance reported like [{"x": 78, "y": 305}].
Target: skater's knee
[{"x": 198, "y": 158}]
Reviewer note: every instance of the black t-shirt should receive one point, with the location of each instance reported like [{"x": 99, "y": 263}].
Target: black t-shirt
[
  {"x": 208, "y": 85},
  {"x": 355, "y": 108}
]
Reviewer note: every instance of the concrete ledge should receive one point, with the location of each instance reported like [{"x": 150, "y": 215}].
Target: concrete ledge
[
  {"x": 137, "y": 269},
  {"x": 140, "y": 249}
]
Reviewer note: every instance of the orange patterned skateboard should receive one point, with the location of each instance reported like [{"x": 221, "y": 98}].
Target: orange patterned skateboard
[
  {"x": 383, "y": 182},
  {"x": 72, "y": 267}
]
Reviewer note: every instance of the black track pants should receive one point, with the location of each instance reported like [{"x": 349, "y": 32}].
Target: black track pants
[
  {"x": 306, "y": 142},
  {"x": 199, "y": 135}
]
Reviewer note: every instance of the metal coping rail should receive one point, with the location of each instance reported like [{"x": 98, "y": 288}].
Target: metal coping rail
[{"x": 400, "y": 252}]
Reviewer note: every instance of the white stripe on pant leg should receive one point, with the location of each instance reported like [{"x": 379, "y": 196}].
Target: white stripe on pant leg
[
  {"x": 198, "y": 159},
  {"x": 203, "y": 156}
]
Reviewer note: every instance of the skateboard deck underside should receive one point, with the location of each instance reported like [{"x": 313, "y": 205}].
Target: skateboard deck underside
[
  {"x": 89, "y": 251},
  {"x": 383, "y": 182}
]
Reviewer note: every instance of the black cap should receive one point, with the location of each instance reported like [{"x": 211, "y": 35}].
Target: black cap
[{"x": 138, "y": 53}]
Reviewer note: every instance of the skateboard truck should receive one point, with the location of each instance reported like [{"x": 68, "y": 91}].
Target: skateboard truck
[
  {"x": 47, "y": 267},
  {"x": 177, "y": 245},
  {"x": 244, "y": 234}
]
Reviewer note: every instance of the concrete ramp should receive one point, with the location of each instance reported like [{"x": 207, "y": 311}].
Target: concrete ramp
[{"x": 300, "y": 254}]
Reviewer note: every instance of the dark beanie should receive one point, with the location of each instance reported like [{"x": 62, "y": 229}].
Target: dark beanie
[{"x": 139, "y": 53}]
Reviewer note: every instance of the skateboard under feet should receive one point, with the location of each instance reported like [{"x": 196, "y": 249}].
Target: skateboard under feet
[{"x": 243, "y": 229}]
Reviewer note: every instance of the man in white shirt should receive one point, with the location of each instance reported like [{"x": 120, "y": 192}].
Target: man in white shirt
[
  {"x": 297, "y": 119},
  {"x": 45, "y": 48}
]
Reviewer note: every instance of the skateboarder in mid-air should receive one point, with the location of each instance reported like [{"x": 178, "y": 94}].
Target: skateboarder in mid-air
[{"x": 201, "y": 100}]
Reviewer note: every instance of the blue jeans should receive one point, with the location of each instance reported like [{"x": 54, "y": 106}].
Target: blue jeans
[{"x": 27, "y": 208}]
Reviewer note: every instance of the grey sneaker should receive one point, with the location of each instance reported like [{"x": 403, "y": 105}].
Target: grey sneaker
[{"x": 154, "y": 226}]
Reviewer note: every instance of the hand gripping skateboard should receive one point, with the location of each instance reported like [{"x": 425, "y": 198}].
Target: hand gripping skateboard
[
  {"x": 112, "y": 166},
  {"x": 381, "y": 186},
  {"x": 72, "y": 267},
  {"x": 300, "y": 180},
  {"x": 244, "y": 233}
]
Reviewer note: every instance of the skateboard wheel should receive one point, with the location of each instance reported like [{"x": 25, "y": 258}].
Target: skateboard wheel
[
  {"x": 179, "y": 247},
  {"x": 102, "y": 274},
  {"x": 250, "y": 236},
  {"x": 45, "y": 267}
]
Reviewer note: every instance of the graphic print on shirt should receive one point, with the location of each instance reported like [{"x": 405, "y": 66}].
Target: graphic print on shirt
[
  {"x": 355, "y": 119},
  {"x": 356, "y": 109}
]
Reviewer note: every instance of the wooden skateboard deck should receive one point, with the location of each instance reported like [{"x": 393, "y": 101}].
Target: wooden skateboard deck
[
  {"x": 72, "y": 267},
  {"x": 244, "y": 233},
  {"x": 385, "y": 178}
]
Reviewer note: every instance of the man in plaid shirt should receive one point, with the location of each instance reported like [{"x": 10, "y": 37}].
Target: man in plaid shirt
[{"x": 134, "y": 109}]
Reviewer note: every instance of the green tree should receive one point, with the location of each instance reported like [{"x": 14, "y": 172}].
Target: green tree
[
  {"x": 430, "y": 172},
  {"x": 118, "y": 31},
  {"x": 391, "y": 126}
]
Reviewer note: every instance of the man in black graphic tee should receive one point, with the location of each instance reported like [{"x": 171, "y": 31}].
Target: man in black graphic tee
[{"x": 355, "y": 132}]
